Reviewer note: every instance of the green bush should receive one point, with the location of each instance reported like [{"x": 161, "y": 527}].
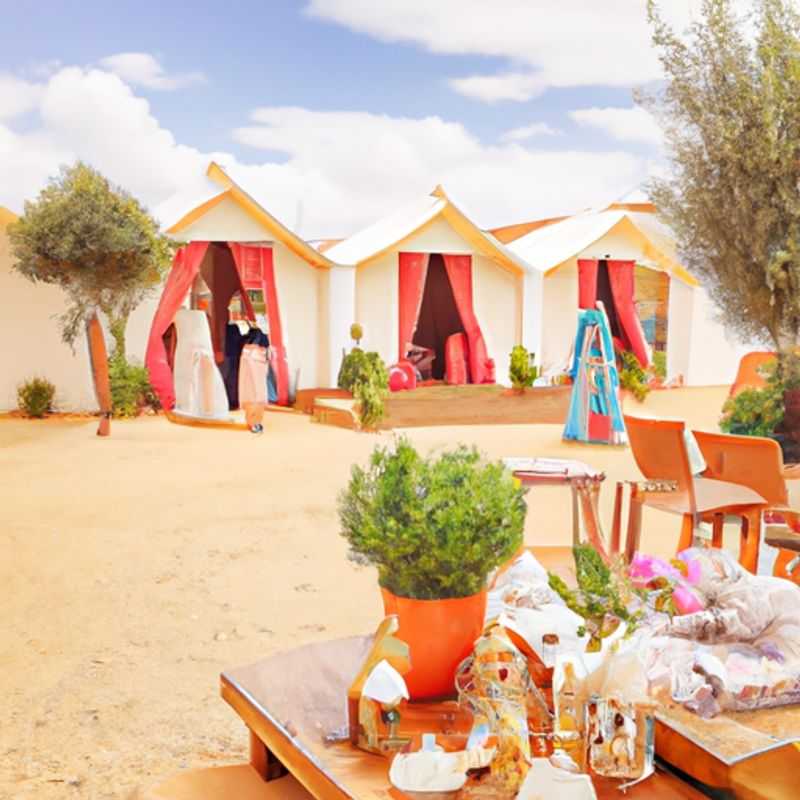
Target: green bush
[
  {"x": 366, "y": 376},
  {"x": 753, "y": 412},
  {"x": 521, "y": 370},
  {"x": 631, "y": 375},
  {"x": 659, "y": 367},
  {"x": 131, "y": 391},
  {"x": 35, "y": 397},
  {"x": 436, "y": 527}
]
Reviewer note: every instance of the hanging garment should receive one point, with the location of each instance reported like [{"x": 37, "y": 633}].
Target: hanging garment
[
  {"x": 595, "y": 414},
  {"x": 234, "y": 341},
  {"x": 272, "y": 385},
  {"x": 199, "y": 390},
  {"x": 253, "y": 375}
]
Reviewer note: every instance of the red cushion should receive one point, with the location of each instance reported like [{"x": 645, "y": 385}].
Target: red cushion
[
  {"x": 455, "y": 359},
  {"x": 481, "y": 367},
  {"x": 402, "y": 376}
]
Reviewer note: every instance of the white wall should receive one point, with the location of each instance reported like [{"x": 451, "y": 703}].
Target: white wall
[
  {"x": 497, "y": 299},
  {"x": 32, "y": 343},
  {"x": 715, "y": 352},
  {"x": 297, "y": 283},
  {"x": 341, "y": 300},
  {"x": 559, "y": 317},
  {"x": 376, "y": 305},
  {"x": 225, "y": 222}
]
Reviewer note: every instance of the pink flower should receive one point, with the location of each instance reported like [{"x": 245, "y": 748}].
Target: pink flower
[
  {"x": 686, "y": 601},
  {"x": 694, "y": 572},
  {"x": 644, "y": 568}
]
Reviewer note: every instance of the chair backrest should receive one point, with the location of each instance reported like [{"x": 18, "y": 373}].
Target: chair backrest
[
  {"x": 659, "y": 450},
  {"x": 750, "y": 461},
  {"x": 748, "y": 375}
]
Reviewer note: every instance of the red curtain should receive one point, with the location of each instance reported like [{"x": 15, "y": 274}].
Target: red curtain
[
  {"x": 250, "y": 260},
  {"x": 459, "y": 271},
  {"x": 185, "y": 267},
  {"x": 412, "y": 271},
  {"x": 620, "y": 276},
  {"x": 587, "y": 282}
]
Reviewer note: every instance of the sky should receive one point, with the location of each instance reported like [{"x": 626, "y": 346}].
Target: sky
[{"x": 339, "y": 110}]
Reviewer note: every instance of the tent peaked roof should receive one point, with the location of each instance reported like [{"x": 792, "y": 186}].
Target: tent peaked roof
[
  {"x": 548, "y": 247},
  {"x": 392, "y": 231},
  {"x": 7, "y": 217},
  {"x": 219, "y": 186}
]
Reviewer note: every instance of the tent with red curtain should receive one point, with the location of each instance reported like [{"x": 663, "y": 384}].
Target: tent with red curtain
[
  {"x": 254, "y": 269},
  {"x": 415, "y": 282},
  {"x": 612, "y": 283}
]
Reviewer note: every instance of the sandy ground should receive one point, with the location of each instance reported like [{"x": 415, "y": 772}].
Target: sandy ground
[{"x": 134, "y": 569}]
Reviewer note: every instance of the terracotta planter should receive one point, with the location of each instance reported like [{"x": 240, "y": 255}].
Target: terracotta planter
[{"x": 440, "y": 634}]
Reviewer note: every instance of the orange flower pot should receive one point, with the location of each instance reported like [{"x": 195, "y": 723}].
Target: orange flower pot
[{"x": 440, "y": 634}]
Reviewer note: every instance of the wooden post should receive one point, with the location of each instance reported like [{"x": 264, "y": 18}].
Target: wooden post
[
  {"x": 616, "y": 524},
  {"x": 99, "y": 360}
]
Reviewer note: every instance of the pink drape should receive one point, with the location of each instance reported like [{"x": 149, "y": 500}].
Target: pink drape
[
  {"x": 587, "y": 282},
  {"x": 459, "y": 272},
  {"x": 621, "y": 278},
  {"x": 252, "y": 260},
  {"x": 412, "y": 271},
  {"x": 185, "y": 267}
]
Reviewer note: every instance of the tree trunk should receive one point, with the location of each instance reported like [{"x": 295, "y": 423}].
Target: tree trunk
[
  {"x": 102, "y": 383},
  {"x": 117, "y": 327}
]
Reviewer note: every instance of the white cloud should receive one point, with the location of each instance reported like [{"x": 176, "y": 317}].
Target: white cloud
[
  {"x": 530, "y": 132},
  {"x": 623, "y": 124},
  {"x": 17, "y": 96},
  {"x": 516, "y": 86},
  {"x": 340, "y": 170},
  {"x": 558, "y": 42},
  {"x": 143, "y": 69}
]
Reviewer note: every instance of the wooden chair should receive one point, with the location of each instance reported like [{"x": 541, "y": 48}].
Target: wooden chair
[
  {"x": 659, "y": 448},
  {"x": 240, "y": 781},
  {"x": 756, "y": 463}
]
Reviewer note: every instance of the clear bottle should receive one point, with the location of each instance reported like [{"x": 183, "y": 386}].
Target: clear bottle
[{"x": 550, "y": 643}]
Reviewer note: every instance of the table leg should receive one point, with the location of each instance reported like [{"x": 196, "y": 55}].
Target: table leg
[
  {"x": 263, "y": 760},
  {"x": 576, "y": 515}
]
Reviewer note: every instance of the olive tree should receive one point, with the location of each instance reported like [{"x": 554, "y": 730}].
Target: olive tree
[
  {"x": 730, "y": 112},
  {"x": 96, "y": 242}
]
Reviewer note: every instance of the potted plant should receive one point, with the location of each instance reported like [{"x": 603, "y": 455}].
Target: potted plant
[
  {"x": 435, "y": 528},
  {"x": 522, "y": 370}
]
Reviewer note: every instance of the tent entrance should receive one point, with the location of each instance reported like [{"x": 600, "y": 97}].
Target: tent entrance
[{"x": 438, "y": 315}]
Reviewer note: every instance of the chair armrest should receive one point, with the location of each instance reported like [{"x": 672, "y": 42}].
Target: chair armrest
[{"x": 791, "y": 472}]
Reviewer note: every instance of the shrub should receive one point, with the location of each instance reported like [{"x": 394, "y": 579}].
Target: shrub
[
  {"x": 659, "y": 367},
  {"x": 366, "y": 376},
  {"x": 356, "y": 333},
  {"x": 35, "y": 397},
  {"x": 130, "y": 387},
  {"x": 631, "y": 375},
  {"x": 753, "y": 412},
  {"x": 435, "y": 528},
  {"x": 521, "y": 369}
]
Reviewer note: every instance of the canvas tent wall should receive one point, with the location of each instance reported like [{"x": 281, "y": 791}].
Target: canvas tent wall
[
  {"x": 219, "y": 210},
  {"x": 434, "y": 226},
  {"x": 30, "y": 327}
]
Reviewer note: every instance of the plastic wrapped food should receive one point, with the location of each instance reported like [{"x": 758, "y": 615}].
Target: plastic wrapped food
[{"x": 741, "y": 652}]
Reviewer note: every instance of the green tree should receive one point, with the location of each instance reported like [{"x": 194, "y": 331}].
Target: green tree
[
  {"x": 730, "y": 112},
  {"x": 97, "y": 243}
]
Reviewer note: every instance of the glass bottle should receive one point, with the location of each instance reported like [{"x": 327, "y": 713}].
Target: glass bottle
[
  {"x": 569, "y": 717},
  {"x": 550, "y": 645}
]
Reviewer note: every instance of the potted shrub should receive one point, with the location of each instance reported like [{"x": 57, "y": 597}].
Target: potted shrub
[
  {"x": 435, "y": 528},
  {"x": 522, "y": 371},
  {"x": 366, "y": 376}
]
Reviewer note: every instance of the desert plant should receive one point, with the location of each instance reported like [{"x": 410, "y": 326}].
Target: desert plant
[
  {"x": 130, "y": 387},
  {"x": 35, "y": 397},
  {"x": 522, "y": 371},
  {"x": 434, "y": 527},
  {"x": 758, "y": 412},
  {"x": 356, "y": 333},
  {"x": 631, "y": 375},
  {"x": 366, "y": 376},
  {"x": 658, "y": 368}
]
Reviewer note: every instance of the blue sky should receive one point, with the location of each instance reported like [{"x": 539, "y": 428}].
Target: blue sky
[{"x": 444, "y": 91}]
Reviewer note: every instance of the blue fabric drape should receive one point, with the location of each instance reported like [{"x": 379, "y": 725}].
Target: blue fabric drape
[{"x": 590, "y": 392}]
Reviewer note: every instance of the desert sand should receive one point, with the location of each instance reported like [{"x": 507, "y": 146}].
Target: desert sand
[{"x": 134, "y": 569}]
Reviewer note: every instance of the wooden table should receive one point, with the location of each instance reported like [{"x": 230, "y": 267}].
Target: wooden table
[{"x": 292, "y": 700}]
